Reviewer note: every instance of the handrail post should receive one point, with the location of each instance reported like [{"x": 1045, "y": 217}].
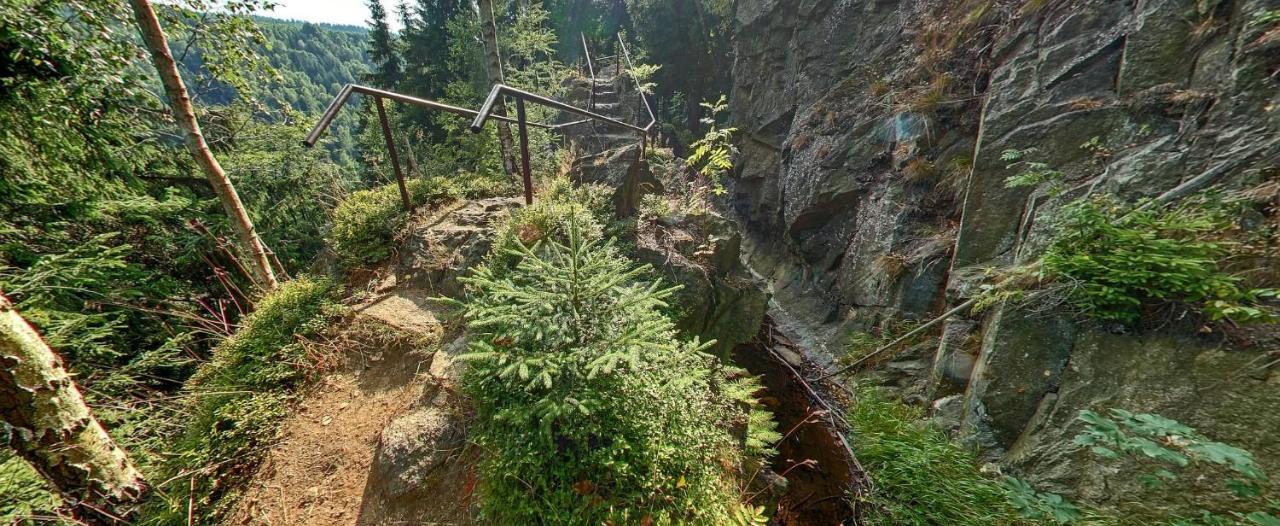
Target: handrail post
[
  {"x": 477, "y": 124},
  {"x": 591, "y": 70},
  {"x": 521, "y": 125},
  {"x": 395, "y": 159},
  {"x": 329, "y": 114}
]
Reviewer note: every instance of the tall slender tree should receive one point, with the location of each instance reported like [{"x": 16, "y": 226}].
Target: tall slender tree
[
  {"x": 180, "y": 102},
  {"x": 44, "y": 419},
  {"x": 427, "y": 49},
  {"x": 387, "y": 64},
  {"x": 493, "y": 63}
]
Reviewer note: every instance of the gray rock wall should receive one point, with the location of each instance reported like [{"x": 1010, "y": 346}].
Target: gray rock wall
[{"x": 871, "y": 187}]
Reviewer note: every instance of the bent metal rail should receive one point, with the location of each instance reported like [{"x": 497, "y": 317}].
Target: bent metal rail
[
  {"x": 483, "y": 115},
  {"x": 499, "y": 90},
  {"x": 378, "y": 95}
]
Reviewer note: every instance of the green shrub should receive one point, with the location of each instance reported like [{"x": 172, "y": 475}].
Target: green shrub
[
  {"x": 1168, "y": 450},
  {"x": 559, "y": 204},
  {"x": 1118, "y": 258},
  {"x": 239, "y": 397},
  {"x": 712, "y": 155},
  {"x": 589, "y": 409},
  {"x": 366, "y": 223},
  {"x": 920, "y": 476}
]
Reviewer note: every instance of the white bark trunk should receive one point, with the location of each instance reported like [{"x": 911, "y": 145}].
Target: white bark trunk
[
  {"x": 44, "y": 418},
  {"x": 180, "y": 103},
  {"x": 493, "y": 64}
]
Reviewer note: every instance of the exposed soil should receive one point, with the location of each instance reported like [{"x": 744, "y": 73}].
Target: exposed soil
[
  {"x": 820, "y": 475},
  {"x": 318, "y": 472}
]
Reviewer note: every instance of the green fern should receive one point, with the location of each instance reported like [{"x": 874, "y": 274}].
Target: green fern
[{"x": 713, "y": 154}]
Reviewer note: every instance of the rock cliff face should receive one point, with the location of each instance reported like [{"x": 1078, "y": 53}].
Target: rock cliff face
[{"x": 872, "y": 187}]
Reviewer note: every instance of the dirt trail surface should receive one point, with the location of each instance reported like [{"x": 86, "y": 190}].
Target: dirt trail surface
[
  {"x": 320, "y": 471},
  {"x": 381, "y": 439}
]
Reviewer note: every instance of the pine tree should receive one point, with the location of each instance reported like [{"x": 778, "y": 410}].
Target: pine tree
[
  {"x": 44, "y": 419},
  {"x": 388, "y": 66},
  {"x": 427, "y": 47},
  {"x": 589, "y": 408}
]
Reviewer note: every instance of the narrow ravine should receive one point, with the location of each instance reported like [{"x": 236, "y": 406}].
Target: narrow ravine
[{"x": 821, "y": 477}]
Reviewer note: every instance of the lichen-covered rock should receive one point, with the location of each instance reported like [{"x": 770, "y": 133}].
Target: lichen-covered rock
[
  {"x": 872, "y": 184},
  {"x": 436, "y": 249},
  {"x": 718, "y": 300},
  {"x": 622, "y": 170},
  {"x": 412, "y": 446},
  {"x": 427, "y": 440}
]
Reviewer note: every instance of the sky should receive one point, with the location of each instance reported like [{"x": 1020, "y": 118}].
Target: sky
[{"x": 349, "y": 12}]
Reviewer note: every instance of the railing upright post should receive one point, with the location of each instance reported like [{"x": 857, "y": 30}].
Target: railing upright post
[
  {"x": 391, "y": 149},
  {"x": 591, "y": 72},
  {"x": 522, "y": 125}
]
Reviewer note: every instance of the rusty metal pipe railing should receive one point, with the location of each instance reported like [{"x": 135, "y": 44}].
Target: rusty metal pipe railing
[
  {"x": 522, "y": 96},
  {"x": 591, "y": 70},
  {"x": 332, "y": 111},
  {"x": 486, "y": 110},
  {"x": 378, "y": 95},
  {"x": 391, "y": 149},
  {"x": 626, "y": 55}
]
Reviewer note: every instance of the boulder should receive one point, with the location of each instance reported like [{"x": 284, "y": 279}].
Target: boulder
[
  {"x": 414, "y": 445},
  {"x": 435, "y": 250}
]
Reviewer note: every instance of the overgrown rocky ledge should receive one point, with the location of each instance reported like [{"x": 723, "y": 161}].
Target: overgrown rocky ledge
[{"x": 872, "y": 189}]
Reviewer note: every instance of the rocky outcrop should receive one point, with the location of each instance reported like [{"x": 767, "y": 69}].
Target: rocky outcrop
[
  {"x": 414, "y": 445},
  {"x": 605, "y": 153},
  {"x": 872, "y": 186},
  {"x": 718, "y": 298},
  {"x": 438, "y": 247}
]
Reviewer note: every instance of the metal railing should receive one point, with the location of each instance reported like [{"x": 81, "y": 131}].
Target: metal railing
[
  {"x": 522, "y": 124},
  {"x": 626, "y": 55},
  {"x": 479, "y": 117},
  {"x": 378, "y": 95},
  {"x": 591, "y": 72},
  {"x": 623, "y": 55}
]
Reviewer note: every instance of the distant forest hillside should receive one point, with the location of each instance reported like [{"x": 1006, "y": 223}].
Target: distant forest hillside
[{"x": 313, "y": 60}]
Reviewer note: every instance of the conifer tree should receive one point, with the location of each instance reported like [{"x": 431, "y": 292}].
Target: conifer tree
[
  {"x": 589, "y": 408},
  {"x": 388, "y": 66},
  {"x": 427, "y": 47},
  {"x": 44, "y": 419}
]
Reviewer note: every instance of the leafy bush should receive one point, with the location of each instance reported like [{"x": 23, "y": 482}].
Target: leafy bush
[
  {"x": 921, "y": 477},
  {"x": 1031, "y": 173},
  {"x": 559, "y": 204},
  {"x": 241, "y": 394},
  {"x": 589, "y": 409},
  {"x": 1117, "y": 258},
  {"x": 1045, "y": 508},
  {"x": 366, "y": 222},
  {"x": 1164, "y": 450},
  {"x": 1162, "y": 444}
]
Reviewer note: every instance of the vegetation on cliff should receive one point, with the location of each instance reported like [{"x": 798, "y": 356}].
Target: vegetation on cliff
[{"x": 588, "y": 407}]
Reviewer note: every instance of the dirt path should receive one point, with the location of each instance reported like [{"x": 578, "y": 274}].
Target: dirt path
[{"x": 318, "y": 473}]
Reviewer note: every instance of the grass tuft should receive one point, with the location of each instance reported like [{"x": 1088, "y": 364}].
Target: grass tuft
[
  {"x": 238, "y": 399},
  {"x": 920, "y": 476},
  {"x": 365, "y": 224}
]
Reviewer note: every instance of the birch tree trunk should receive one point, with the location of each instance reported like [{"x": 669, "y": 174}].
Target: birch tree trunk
[
  {"x": 45, "y": 420},
  {"x": 155, "y": 41},
  {"x": 493, "y": 64}
]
